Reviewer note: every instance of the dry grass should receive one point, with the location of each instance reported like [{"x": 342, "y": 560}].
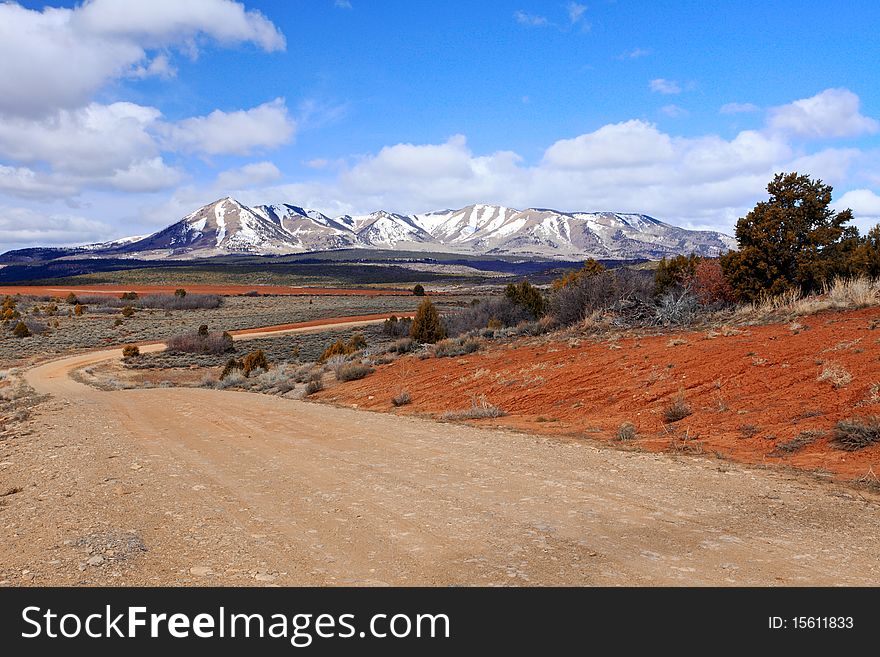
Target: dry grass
[
  {"x": 480, "y": 408},
  {"x": 678, "y": 409},
  {"x": 838, "y": 375},
  {"x": 627, "y": 431}
]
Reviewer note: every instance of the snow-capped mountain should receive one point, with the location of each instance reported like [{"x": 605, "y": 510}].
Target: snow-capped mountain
[{"x": 228, "y": 227}]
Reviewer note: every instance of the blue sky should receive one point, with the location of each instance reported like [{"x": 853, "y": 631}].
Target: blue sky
[{"x": 681, "y": 110}]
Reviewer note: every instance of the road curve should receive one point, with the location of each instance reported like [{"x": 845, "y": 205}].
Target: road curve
[{"x": 234, "y": 488}]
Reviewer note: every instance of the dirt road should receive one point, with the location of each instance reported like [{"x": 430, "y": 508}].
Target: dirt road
[{"x": 194, "y": 486}]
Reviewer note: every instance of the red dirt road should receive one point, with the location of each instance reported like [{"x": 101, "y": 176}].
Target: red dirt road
[{"x": 229, "y": 290}]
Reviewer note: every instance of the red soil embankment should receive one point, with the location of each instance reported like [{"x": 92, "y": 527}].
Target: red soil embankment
[
  {"x": 750, "y": 389},
  {"x": 229, "y": 290}
]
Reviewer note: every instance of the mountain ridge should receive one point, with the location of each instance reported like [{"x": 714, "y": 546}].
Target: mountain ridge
[{"x": 226, "y": 227}]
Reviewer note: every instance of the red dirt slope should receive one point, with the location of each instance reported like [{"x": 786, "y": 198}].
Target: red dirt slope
[{"x": 750, "y": 389}]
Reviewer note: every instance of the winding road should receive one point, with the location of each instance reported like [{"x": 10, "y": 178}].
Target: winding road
[{"x": 210, "y": 487}]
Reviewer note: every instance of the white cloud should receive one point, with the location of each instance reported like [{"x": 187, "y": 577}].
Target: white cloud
[
  {"x": 832, "y": 113},
  {"x": 95, "y": 139},
  {"x": 664, "y": 86},
  {"x": 629, "y": 144},
  {"x": 249, "y": 175},
  {"x": 238, "y": 133},
  {"x": 738, "y": 108},
  {"x": 531, "y": 20},
  {"x": 576, "y": 12},
  {"x": 864, "y": 203},
  {"x": 635, "y": 53},
  {"x": 674, "y": 111},
  {"x": 342, "y": 4},
  {"x": 59, "y": 58},
  {"x": 24, "y": 226},
  {"x": 24, "y": 182}
]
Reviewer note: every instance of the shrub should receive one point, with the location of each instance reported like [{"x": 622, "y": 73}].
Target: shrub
[
  {"x": 203, "y": 331},
  {"x": 313, "y": 386},
  {"x": 678, "y": 409},
  {"x": 397, "y": 327},
  {"x": 185, "y": 302},
  {"x": 625, "y": 291},
  {"x": 131, "y": 351},
  {"x": 194, "y": 343},
  {"x": 339, "y": 348},
  {"x": 426, "y": 326},
  {"x": 72, "y": 299},
  {"x": 35, "y": 326},
  {"x": 672, "y": 273},
  {"x": 117, "y": 322},
  {"x": 708, "y": 284},
  {"x": 352, "y": 371},
  {"x": 402, "y": 346},
  {"x": 856, "y": 433},
  {"x": 800, "y": 441},
  {"x": 129, "y": 296},
  {"x": 78, "y": 309},
  {"x": 454, "y": 347},
  {"x": 627, "y": 431},
  {"x": 527, "y": 296},
  {"x": 418, "y": 290},
  {"x": 254, "y": 360},
  {"x": 10, "y": 313},
  {"x": 232, "y": 365},
  {"x": 21, "y": 330},
  {"x": 180, "y": 292},
  {"x": 500, "y": 311},
  {"x": 676, "y": 308},
  {"x": 591, "y": 267},
  {"x": 401, "y": 399},
  {"x": 480, "y": 408},
  {"x": 127, "y": 311},
  {"x": 836, "y": 374}
]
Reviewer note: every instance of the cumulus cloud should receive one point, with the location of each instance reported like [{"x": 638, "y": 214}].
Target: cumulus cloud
[
  {"x": 628, "y": 144},
  {"x": 864, "y": 203},
  {"x": 24, "y": 226},
  {"x": 832, "y": 113},
  {"x": 664, "y": 86},
  {"x": 255, "y": 173},
  {"x": 738, "y": 108},
  {"x": 59, "y": 58},
  {"x": 238, "y": 133}
]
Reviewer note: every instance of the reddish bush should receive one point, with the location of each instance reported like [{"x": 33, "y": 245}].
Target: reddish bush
[{"x": 708, "y": 283}]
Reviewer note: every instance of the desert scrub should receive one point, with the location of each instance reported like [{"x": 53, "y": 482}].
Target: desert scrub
[
  {"x": 401, "y": 399},
  {"x": 201, "y": 342},
  {"x": 836, "y": 374},
  {"x": 344, "y": 348},
  {"x": 480, "y": 408},
  {"x": 313, "y": 386},
  {"x": 454, "y": 347},
  {"x": 856, "y": 433},
  {"x": 800, "y": 441},
  {"x": 21, "y": 330},
  {"x": 352, "y": 371},
  {"x": 627, "y": 431},
  {"x": 253, "y": 361},
  {"x": 678, "y": 409},
  {"x": 130, "y": 351}
]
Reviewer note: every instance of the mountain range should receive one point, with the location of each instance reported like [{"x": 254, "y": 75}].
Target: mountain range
[{"x": 227, "y": 227}]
